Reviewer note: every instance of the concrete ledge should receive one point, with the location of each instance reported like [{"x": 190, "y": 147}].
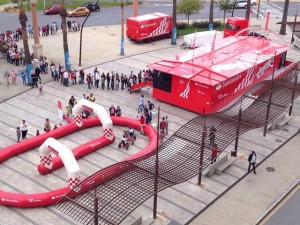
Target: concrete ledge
[
  {"x": 225, "y": 165},
  {"x": 212, "y": 168}
]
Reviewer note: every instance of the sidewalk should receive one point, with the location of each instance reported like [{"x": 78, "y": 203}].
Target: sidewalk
[{"x": 252, "y": 196}]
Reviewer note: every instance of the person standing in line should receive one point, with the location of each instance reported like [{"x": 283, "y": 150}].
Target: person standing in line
[
  {"x": 89, "y": 80},
  {"x": 252, "y": 161},
  {"x": 24, "y": 129},
  {"x": 97, "y": 79},
  {"x": 47, "y": 126},
  {"x": 108, "y": 81},
  {"x": 18, "y": 134}
]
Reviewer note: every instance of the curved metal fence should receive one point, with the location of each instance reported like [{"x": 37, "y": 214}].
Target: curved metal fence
[{"x": 122, "y": 187}]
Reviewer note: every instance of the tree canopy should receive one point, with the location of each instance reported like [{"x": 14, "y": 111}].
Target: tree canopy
[
  {"x": 225, "y": 6},
  {"x": 189, "y": 7}
]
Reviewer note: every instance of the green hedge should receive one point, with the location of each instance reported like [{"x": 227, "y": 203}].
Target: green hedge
[{"x": 204, "y": 24}]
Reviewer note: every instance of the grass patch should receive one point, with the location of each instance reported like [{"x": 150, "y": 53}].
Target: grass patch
[
  {"x": 3, "y": 2},
  {"x": 191, "y": 29}
]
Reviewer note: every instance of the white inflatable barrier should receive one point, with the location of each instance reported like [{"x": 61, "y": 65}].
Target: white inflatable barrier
[
  {"x": 98, "y": 110},
  {"x": 67, "y": 157}
]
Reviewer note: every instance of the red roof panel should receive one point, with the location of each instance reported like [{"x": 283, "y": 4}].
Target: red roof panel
[{"x": 231, "y": 56}]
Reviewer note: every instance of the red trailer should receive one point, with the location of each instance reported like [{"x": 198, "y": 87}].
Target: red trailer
[
  {"x": 212, "y": 78},
  {"x": 148, "y": 27}
]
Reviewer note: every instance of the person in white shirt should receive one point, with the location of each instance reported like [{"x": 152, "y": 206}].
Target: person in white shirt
[{"x": 65, "y": 78}]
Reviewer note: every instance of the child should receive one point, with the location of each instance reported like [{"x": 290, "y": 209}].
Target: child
[
  {"x": 68, "y": 109},
  {"x": 18, "y": 134},
  {"x": 37, "y": 132},
  {"x": 41, "y": 88}
]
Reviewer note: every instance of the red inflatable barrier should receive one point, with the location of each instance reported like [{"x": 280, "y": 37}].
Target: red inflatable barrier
[{"x": 50, "y": 198}]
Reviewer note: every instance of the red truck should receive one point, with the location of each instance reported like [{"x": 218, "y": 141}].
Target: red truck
[
  {"x": 149, "y": 27},
  {"x": 235, "y": 25}
]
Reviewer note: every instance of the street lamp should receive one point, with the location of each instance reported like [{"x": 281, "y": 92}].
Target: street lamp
[
  {"x": 122, "y": 27},
  {"x": 37, "y": 47}
]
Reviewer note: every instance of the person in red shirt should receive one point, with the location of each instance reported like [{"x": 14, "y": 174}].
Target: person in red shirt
[
  {"x": 214, "y": 153},
  {"x": 142, "y": 121}
]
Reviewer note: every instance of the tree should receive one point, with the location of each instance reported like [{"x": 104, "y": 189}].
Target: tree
[
  {"x": 225, "y": 6},
  {"x": 189, "y": 7},
  {"x": 63, "y": 14},
  {"x": 248, "y": 8},
  {"x": 284, "y": 18},
  {"x": 23, "y": 19}
]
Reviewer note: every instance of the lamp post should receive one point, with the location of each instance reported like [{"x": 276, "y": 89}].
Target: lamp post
[
  {"x": 122, "y": 28},
  {"x": 37, "y": 47}
]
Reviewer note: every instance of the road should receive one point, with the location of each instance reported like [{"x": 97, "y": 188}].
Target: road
[{"x": 111, "y": 16}]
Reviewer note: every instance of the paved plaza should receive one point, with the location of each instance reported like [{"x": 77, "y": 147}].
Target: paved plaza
[{"x": 234, "y": 197}]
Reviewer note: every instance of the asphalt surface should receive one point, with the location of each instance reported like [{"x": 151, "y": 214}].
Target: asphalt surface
[{"x": 111, "y": 15}]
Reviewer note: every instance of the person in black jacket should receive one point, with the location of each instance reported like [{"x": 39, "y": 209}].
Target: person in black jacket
[{"x": 252, "y": 161}]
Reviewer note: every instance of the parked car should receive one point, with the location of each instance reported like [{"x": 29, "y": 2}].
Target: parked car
[
  {"x": 54, "y": 9},
  {"x": 93, "y": 7},
  {"x": 243, "y": 3},
  {"x": 79, "y": 11}
]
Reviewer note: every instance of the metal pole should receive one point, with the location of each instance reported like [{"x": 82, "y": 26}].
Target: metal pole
[
  {"x": 95, "y": 206},
  {"x": 294, "y": 25},
  {"x": 234, "y": 153},
  {"x": 204, "y": 132},
  {"x": 293, "y": 95},
  {"x": 270, "y": 97},
  {"x": 258, "y": 8},
  {"x": 80, "y": 45},
  {"x": 156, "y": 167},
  {"x": 174, "y": 25},
  {"x": 122, "y": 27}
]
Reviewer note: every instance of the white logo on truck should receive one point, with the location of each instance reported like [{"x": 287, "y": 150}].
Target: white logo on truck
[{"x": 161, "y": 28}]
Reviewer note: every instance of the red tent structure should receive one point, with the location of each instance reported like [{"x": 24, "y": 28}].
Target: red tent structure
[{"x": 211, "y": 78}]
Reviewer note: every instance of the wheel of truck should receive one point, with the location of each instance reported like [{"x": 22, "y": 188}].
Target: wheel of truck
[{"x": 149, "y": 40}]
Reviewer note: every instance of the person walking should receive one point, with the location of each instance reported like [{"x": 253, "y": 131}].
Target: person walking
[
  {"x": 252, "y": 161},
  {"x": 41, "y": 88},
  {"x": 24, "y": 129},
  {"x": 142, "y": 123},
  {"x": 24, "y": 78},
  {"x": 141, "y": 104}
]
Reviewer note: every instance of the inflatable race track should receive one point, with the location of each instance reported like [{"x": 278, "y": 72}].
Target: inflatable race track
[{"x": 48, "y": 144}]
